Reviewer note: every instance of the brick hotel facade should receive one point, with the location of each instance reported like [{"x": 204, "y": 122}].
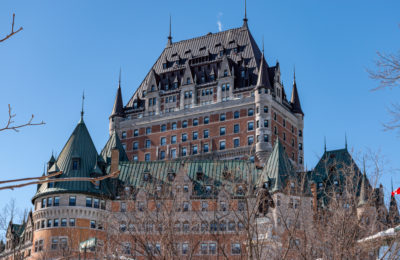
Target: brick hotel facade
[{"x": 208, "y": 148}]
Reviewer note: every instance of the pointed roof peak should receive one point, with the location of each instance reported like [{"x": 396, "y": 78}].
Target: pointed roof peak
[
  {"x": 295, "y": 100},
  {"x": 82, "y": 110},
  {"x": 263, "y": 79},
  {"x": 118, "y": 108},
  {"x": 170, "y": 31},
  {"x": 245, "y": 14}
]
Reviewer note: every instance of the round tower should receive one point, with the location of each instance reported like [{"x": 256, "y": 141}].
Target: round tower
[{"x": 263, "y": 100}]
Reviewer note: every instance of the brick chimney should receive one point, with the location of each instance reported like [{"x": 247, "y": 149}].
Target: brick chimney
[{"x": 114, "y": 160}]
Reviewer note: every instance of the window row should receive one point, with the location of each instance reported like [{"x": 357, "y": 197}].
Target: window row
[
  {"x": 50, "y": 223},
  {"x": 195, "y": 122},
  {"x": 50, "y": 202}
]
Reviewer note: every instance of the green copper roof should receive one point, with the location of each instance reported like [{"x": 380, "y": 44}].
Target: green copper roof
[
  {"x": 79, "y": 147},
  {"x": 113, "y": 142},
  {"x": 214, "y": 173},
  {"x": 277, "y": 169}
]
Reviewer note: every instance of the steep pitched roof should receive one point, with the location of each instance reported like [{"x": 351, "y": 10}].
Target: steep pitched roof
[
  {"x": 295, "y": 100},
  {"x": 393, "y": 216},
  {"x": 363, "y": 199},
  {"x": 202, "y": 46},
  {"x": 80, "y": 147},
  {"x": 113, "y": 142},
  {"x": 278, "y": 168},
  {"x": 118, "y": 108},
  {"x": 263, "y": 77}
]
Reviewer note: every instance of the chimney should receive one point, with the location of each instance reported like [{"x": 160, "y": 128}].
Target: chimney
[
  {"x": 314, "y": 194},
  {"x": 114, "y": 160}
]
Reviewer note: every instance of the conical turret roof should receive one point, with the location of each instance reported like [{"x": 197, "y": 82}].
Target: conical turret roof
[
  {"x": 278, "y": 168},
  {"x": 393, "y": 216},
  {"x": 263, "y": 79},
  {"x": 295, "y": 100},
  {"x": 79, "y": 148},
  {"x": 118, "y": 108},
  {"x": 112, "y": 143},
  {"x": 363, "y": 200}
]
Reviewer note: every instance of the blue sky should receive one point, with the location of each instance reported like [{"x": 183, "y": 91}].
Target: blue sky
[{"x": 68, "y": 47}]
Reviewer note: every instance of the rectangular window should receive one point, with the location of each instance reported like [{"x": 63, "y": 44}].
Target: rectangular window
[
  {"x": 206, "y": 120},
  {"x": 72, "y": 222},
  {"x": 147, "y": 157},
  {"x": 265, "y": 123},
  {"x": 222, "y": 131},
  {"x": 185, "y": 206},
  {"x": 222, "y": 145},
  {"x": 75, "y": 164},
  {"x": 96, "y": 203},
  {"x": 236, "y": 142},
  {"x": 49, "y": 222},
  {"x": 162, "y": 155},
  {"x": 173, "y": 139},
  {"x": 265, "y": 109},
  {"x": 173, "y": 153},
  {"x": 195, "y": 122},
  {"x": 148, "y": 130},
  {"x": 43, "y": 203},
  {"x": 123, "y": 206},
  {"x": 235, "y": 248},
  {"x": 63, "y": 222},
  {"x": 250, "y": 112},
  {"x": 184, "y": 151},
  {"x": 195, "y": 135},
  {"x": 205, "y": 148},
  {"x": 55, "y": 223},
  {"x": 184, "y": 137},
  {"x": 56, "y": 201},
  {"x": 148, "y": 143},
  {"x": 89, "y": 202},
  {"x": 266, "y": 138},
  {"x": 185, "y": 248},
  {"x": 222, "y": 117},
  {"x": 250, "y": 126},
  {"x": 204, "y": 249},
  {"x": 49, "y": 202},
  {"x": 135, "y": 145},
  {"x": 195, "y": 149},
  {"x": 236, "y": 128},
  {"x": 163, "y": 141},
  {"x": 236, "y": 114},
  {"x": 136, "y": 132},
  {"x": 212, "y": 248},
  {"x": 250, "y": 140},
  {"x": 174, "y": 126},
  {"x": 72, "y": 200},
  {"x": 93, "y": 224},
  {"x": 184, "y": 124},
  {"x": 205, "y": 133},
  {"x": 54, "y": 243}
]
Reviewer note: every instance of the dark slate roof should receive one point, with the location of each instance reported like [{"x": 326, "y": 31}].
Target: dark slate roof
[
  {"x": 211, "y": 43},
  {"x": 278, "y": 169},
  {"x": 17, "y": 229},
  {"x": 214, "y": 173},
  {"x": 393, "y": 216},
  {"x": 113, "y": 142},
  {"x": 118, "y": 108},
  {"x": 263, "y": 74},
  {"x": 295, "y": 100},
  {"x": 80, "y": 146}
]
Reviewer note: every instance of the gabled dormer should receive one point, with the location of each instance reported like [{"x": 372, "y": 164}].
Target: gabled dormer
[{"x": 225, "y": 69}]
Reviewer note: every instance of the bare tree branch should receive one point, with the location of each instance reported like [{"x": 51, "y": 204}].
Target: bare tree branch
[
  {"x": 10, "y": 123},
  {"x": 12, "y": 30},
  {"x": 388, "y": 70}
]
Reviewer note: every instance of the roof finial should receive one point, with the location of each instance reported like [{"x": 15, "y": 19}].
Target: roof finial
[
  {"x": 294, "y": 74},
  {"x": 364, "y": 171},
  {"x": 119, "y": 80},
  {"x": 345, "y": 140},
  {"x": 170, "y": 34},
  {"x": 263, "y": 44},
  {"x": 83, "y": 101},
  {"x": 325, "y": 143},
  {"x": 245, "y": 14}
]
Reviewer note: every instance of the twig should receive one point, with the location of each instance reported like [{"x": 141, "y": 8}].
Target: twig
[
  {"x": 33, "y": 178},
  {"x": 92, "y": 180},
  {"x": 10, "y": 122},
  {"x": 12, "y": 30}
]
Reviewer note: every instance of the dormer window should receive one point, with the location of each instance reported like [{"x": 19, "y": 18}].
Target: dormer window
[
  {"x": 225, "y": 73},
  {"x": 144, "y": 93},
  {"x": 175, "y": 85},
  {"x": 199, "y": 176},
  {"x": 153, "y": 88},
  {"x": 212, "y": 78},
  {"x": 171, "y": 176},
  {"x": 75, "y": 164},
  {"x": 135, "y": 105},
  {"x": 188, "y": 80},
  {"x": 164, "y": 65},
  {"x": 208, "y": 189},
  {"x": 146, "y": 177},
  {"x": 240, "y": 190}
]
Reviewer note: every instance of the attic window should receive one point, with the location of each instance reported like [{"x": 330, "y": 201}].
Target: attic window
[
  {"x": 75, "y": 164},
  {"x": 174, "y": 54},
  {"x": 240, "y": 190},
  {"x": 202, "y": 48},
  {"x": 171, "y": 176},
  {"x": 218, "y": 45},
  {"x": 135, "y": 105},
  {"x": 146, "y": 177},
  {"x": 232, "y": 41},
  {"x": 153, "y": 88},
  {"x": 187, "y": 51},
  {"x": 199, "y": 176},
  {"x": 208, "y": 189}
]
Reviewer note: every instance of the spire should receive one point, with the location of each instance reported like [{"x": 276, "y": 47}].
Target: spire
[
  {"x": 245, "y": 14},
  {"x": 295, "y": 100},
  {"x": 169, "y": 36},
  {"x": 393, "y": 216},
  {"x": 325, "y": 144},
  {"x": 83, "y": 101},
  {"x": 345, "y": 141},
  {"x": 263, "y": 80},
  {"x": 118, "y": 109},
  {"x": 364, "y": 186}
]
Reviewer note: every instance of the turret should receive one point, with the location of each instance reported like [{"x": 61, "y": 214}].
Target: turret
[
  {"x": 118, "y": 108},
  {"x": 393, "y": 216},
  {"x": 263, "y": 113}
]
